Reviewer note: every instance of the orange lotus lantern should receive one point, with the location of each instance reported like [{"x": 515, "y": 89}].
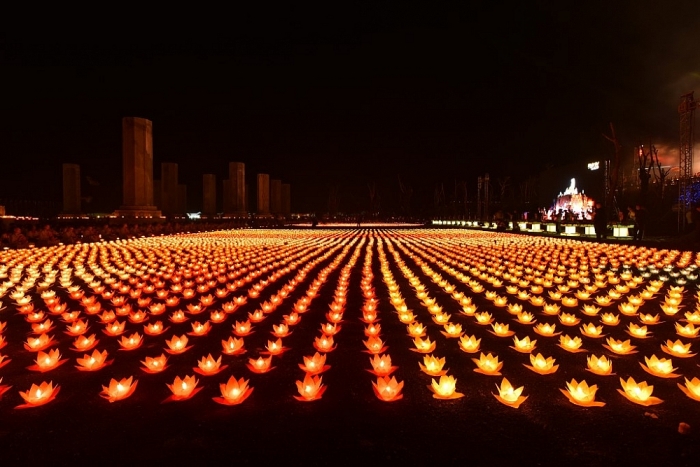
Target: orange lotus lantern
[
  {"x": 119, "y": 390},
  {"x": 524, "y": 345},
  {"x": 661, "y": 367},
  {"x": 501, "y": 330},
  {"x": 381, "y": 365},
  {"x": 183, "y": 389},
  {"x": 691, "y": 388},
  {"x": 677, "y": 349},
  {"x": 242, "y": 328},
  {"x": 469, "y": 344},
  {"x": 568, "y": 319},
  {"x": 433, "y": 365},
  {"x": 310, "y": 389},
  {"x": 689, "y": 330},
  {"x": 628, "y": 309},
  {"x": 177, "y": 345},
  {"x": 114, "y": 329},
  {"x": 546, "y": 330},
  {"x": 107, "y": 317},
  {"x": 416, "y": 329},
  {"x": 137, "y": 316},
  {"x": 484, "y": 318},
  {"x": 34, "y": 344},
  {"x": 134, "y": 341},
  {"x": 373, "y": 330},
  {"x": 233, "y": 392},
  {"x": 200, "y": 329},
  {"x": 452, "y": 330},
  {"x": 620, "y": 347},
  {"x": 260, "y": 365},
  {"x": 590, "y": 310},
  {"x": 47, "y": 361},
  {"x": 445, "y": 388},
  {"x": 324, "y": 343},
  {"x": 155, "y": 364},
  {"x": 281, "y": 330},
  {"x": 508, "y": 395},
  {"x": 315, "y": 365},
  {"x": 178, "y": 317},
  {"x": 208, "y": 366},
  {"x": 639, "y": 393},
  {"x": 600, "y": 366},
  {"x": 488, "y": 365},
  {"x": 39, "y": 395},
  {"x": 275, "y": 347},
  {"x": 591, "y": 330},
  {"x": 640, "y": 332},
  {"x": 610, "y": 319},
  {"x": 571, "y": 344},
  {"x": 94, "y": 362},
  {"x": 375, "y": 345},
  {"x": 388, "y": 389},
  {"x": 423, "y": 345},
  {"x": 330, "y": 329},
  {"x": 542, "y": 365},
  {"x": 581, "y": 394},
  {"x": 154, "y": 329},
  {"x": 46, "y": 326},
  {"x": 469, "y": 309}
]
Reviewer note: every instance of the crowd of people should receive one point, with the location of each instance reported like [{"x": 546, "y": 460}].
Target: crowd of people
[{"x": 48, "y": 234}]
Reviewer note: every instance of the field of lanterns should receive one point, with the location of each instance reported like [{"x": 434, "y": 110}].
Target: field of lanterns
[{"x": 396, "y": 323}]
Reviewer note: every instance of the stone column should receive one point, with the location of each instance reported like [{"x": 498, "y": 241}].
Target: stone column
[
  {"x": 209, "y": 194},
  {"x": 276, "y": 197},
  {"x": 71, "y": 189},
  {"x": 137, "y": 165},
  {"x": 263, "y": 194},
  {"x": 236, "y": 177},
  {"x": 169, "y": 188},
  {"x": 286, "y": 199}
]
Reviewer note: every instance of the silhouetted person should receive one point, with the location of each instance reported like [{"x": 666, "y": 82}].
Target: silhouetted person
[
  {"x": 600, "y": 223},
  {"x": 17, "y": 239},
  {"x": 641, "y": 216}
]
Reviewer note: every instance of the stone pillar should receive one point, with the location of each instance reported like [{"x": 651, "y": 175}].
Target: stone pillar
[
  {"x": 181, "y": 205},
  {"x": 286, "y": 199},
  {"x": 263, "y": 194},
  {"x": 71, "y": 189},
  {"x": 236, "y": 178},
  {"x": 209, "y": 194},
  {"x": 137, "y": 165},
  {"x": 276, "y": 197},
  {"x": 169, "y": 188}
]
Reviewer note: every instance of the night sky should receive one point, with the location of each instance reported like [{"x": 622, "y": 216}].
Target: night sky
[{"x": 343, "y": 96}]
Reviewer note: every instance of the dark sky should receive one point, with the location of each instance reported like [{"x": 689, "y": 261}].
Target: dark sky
[{"x": 345, "y": 95}]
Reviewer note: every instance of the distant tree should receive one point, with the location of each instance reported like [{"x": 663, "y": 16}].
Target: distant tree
[{"x": 614, "y": 175}]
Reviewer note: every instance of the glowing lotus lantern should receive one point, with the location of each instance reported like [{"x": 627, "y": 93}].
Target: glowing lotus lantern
[
  {"x": 639, "y": 393},
  {"x": 601, "y": 366},
  {"x": 691, "y": 388},
  {"x": 208, "y": 366},
  {"x": 689, "y": 330},
  {"x": 330, "y": 329},
  {"x": 310, "y": 389},
  {"x": 34, "y": 343},
  {"x": 581, "y": 394},
  {"x": 233, "y": 392},
  {"x": 590, "y": 310},
  {"x": 546, "y": 330},
  {"x": 291, "y": 319},
  {"x": 46, "y": 326},
  {"x": 134, "y": 341},
  {"x": 260, "y": 365},
  {"x": 445, "y": 388},
  {"x": 639, "y": 332},
  {"x": 649, "y": 318},
  {"x": 591, "y": 330},
  {"x": 603, "y": 300},
  {"x": 275, "y": 347},
  {"x": 154, "y": 329},
  {"x": 551, "y": 309},
  {"x": 35, "y": 317},
  {"x": 433, "y": 366},
  {"x": 39, "y": 395},
  {"x": 555, "y": 295},
  {"x": 537, "y": 301},
  {"x": 155, "y": 364},
  {"x": 508, "y": 395},
  {"x": 47, "y": 361},
  {"x": 177, "y": 345},
  {"x": 324, "y": 343},
  {"x": 381, "y": 365},
  {"x": 620, "y": 347},
  {"x": 242, "y": 328},
  {"x": 452, "y": 330},
  {"x": 469, "y": 344},
  {"x": 375, "y": 345},
  {"x": 119, "y": 390},
  {"x": 200, "y": 329},
  {"x": 137, "y": 316},
  {"x": 610, "y": 319},
  {"x": 423, "y": 345},
  {"x": 488, "y": 365},
  {"x": 669, "y": 309},
  {"x": 542, "y": 365},
  {"x": 501, "y": 330},
  {"x": 661, "y": 367},
  {"x": 107, "y": 317},
  {"x": 315, "y": 365},
  {"x": 183, "y": 389},
  {"x": 114, "y": 329},
  {"x": 469, "y": 309},
  {"x": 570, "y": 302},
  {"x": 178, "y": 317},
  {"x": 388, "y": 389},
  {"x": 94, "y": 362},
  {"x": 571, "y": 344},
  {"x": 526, "y": 317},
  {"x": 372, "y": 330},
  {"x": 337, "y": 317},
  {"x": 677, "y": 349},
  {"x": 568, "y": 319},
  {"x": 406, "y": 317},
  {"x": 483, "y": 318}
]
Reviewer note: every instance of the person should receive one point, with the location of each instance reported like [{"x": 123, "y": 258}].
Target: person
[
  {"x": 600, "y": 223},
  {"x": 17, "y": 239},
  {"x": 641, "y": 216}
]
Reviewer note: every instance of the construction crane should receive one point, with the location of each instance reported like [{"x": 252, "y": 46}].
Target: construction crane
[{"x": 686, "y": 112}]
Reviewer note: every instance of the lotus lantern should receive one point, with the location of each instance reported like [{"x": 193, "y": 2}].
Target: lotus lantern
[
  {"x": 501, "y": 330},
  {"x": 281, "y": 330},
  {"x": 416, "y": 329},
  {"x": 488, "y": 365},
  {"x": 542, "y": 365},
  {"x": 177, "y": 345},
  {"x": 315, "y": 365},
  {"x": 581, "y": 394},
  {"x": 551, "y": 309},
  {"x": 292, "y": 318},
  {"x": 610, "y": 319},
  {"x": 154, "y": 329},
  {"x": 260, "y": 365},
  {"x": 601, "y": 366},
  {"x": 388, "y": 389},
  {"x": 242, "y": 328},
  {"x": 34, "y": 344},
  {"x": 310, "y": 389},
  {"x": 183, "y": 389},
  {"x": 508, "y": 395},
  {"x": 94, "y": 362},
  {"x": 324, "y": 343},
  {"x": 620, "y": 347},
  {"x": 484, "y": 318},
  {"x": 445, "y": 388},
  {"x": 432, "y": 366},
  {"x": 200, "y": 329},
  {"x": 381, "y": 365},
  {"x": 571, "y": 344},
  {"x": 423, "y": 345},
  {"x": 178, "y": 317},
  {"x": 677, "y": 349},
  {"x": 661, "y": 367},
  {"x": 134, "y": 341},
  {"x": 275, "y": 347},
  {"x": 469, "y": 344},
  {"x": 119, "y": 390},
  {"x": 591, "y": 330},
  {"x": 523, "y": 345},
  {"x": 639, "y": 332},
  {"x": 47, "y": 361},
  {"x": 155, "y": 364},
  {"x": 590, "y": 310},
  {"x": 649, "y": 318},
  {"x": 639, "y": 393},
  {"x": 691, "y": 388},
  {"x": 469, "y": 309},
  {"x": 546, "y": 329},
  {"x": 452, "y": 330},
  {"x": 115, "y": 328},
  {"x": 233, "y": 392},
  {"x": 39, "y": 395},
  {"x": 689, "y": 330},
  {"x": 568, "y": 319},
  {"x": 208, "y": 366}
]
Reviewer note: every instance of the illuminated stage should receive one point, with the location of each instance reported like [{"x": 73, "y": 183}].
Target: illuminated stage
[{"x": 374, "y": 345}]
